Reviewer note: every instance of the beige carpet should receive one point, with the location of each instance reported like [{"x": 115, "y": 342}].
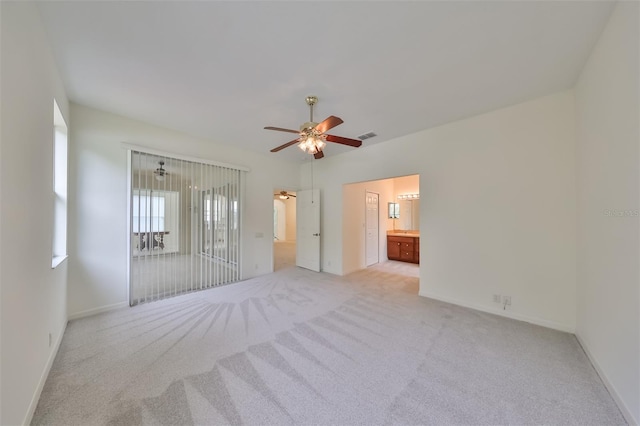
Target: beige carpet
[
  {"x": 284, "y": 254},
  {"x": 398, "y": 268},
  {"x": 158, "y": 277},
  {"x": 305, "y": 348}
]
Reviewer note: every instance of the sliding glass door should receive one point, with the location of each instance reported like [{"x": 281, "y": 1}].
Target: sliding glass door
[{"x": 185, "y": 226}]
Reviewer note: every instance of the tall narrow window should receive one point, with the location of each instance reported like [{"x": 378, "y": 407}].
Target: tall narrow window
[{"x": 59, "y": 249}]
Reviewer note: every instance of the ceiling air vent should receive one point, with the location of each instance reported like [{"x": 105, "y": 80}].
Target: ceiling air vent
[{"x": 366, "y": 136}]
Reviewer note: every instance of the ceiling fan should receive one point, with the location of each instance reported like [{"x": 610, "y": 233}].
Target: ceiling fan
[
  {"x": 284, "y": 195},
  {"x": 312, "y": 137},
  {"x": 160, "y": 172}
]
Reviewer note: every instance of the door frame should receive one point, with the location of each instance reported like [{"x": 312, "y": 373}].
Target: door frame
[{"x": 308, "y": 229}]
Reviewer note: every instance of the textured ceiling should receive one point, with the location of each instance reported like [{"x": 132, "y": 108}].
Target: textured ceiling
[{"x": 224, "y": 70}]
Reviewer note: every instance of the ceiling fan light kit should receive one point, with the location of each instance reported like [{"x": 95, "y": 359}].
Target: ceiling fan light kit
[
  {"x": 311, "y": 141},
  {"x": 311, "y": 137}
]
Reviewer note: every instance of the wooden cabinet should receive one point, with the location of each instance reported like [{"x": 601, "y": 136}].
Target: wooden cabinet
[
  {"x": 405, "y": 249},
  {"x": 393, "y": 248}
]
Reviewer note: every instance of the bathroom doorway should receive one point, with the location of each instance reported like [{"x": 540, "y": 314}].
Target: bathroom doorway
[{"x": 398, "y": 216}]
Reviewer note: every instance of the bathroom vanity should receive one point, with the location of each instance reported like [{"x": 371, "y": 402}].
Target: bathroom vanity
[{"x": 403, "y": 246}]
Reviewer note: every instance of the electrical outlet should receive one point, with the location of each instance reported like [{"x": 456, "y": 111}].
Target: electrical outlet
[
  {"x": 496, "y": 298},
  {"x": 506, "y": 300}
]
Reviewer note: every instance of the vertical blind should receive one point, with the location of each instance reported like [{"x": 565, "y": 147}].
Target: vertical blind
[{"x": 185, "y": 226}]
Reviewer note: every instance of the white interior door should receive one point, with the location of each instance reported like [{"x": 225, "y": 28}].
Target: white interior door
[
  {"x": 308, "y": 229},
  {"x": 372, "y": 227}
]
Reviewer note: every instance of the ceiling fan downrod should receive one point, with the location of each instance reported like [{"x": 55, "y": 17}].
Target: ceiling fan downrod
[{"x": 311, "y": 101}]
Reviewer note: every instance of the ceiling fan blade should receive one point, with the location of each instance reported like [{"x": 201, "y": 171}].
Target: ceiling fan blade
[
  {"x": 344, "y": 141},
  {"x": 280, "y": 129},
  {"x": 318, "y": 155},
  {"x": 329, "y": 123},
  {"x": 285, "y": 145}
]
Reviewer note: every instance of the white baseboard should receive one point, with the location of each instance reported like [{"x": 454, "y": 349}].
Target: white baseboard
[
  {"x": 43, "y": 377},
  {"x": 612, "y": 389},
  {"x": 508, "y": 314},
  {"x": 52, "y": 356},
  {"x": 99, "y": 310}
]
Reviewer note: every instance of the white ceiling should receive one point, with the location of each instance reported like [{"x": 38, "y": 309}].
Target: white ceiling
[{"x": 224, "y": 70}]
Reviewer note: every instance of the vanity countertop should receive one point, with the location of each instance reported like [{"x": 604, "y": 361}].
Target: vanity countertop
[{"x": 403, "y": 234}]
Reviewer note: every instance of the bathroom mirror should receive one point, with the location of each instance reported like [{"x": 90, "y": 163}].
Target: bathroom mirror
[
  {"x": 409, "y": 215},
  {"x": 394, "y": 211}
]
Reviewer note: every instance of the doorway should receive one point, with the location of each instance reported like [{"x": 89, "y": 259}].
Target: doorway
[
  {"x": 284, "y": 229},
  {"x": 359, "y": 241}
]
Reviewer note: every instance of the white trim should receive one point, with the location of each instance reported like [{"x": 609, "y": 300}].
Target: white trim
[
  {"x": 508, "y": 314},
  {"x": 626, "y": 413},
  {"x": 57, "y": 260},
  {"x": 94, "y": 311},
  {"x": 43, "y": 378},
  {"x": 129, "y": 222},
  {"x": 148, "y": 150}
]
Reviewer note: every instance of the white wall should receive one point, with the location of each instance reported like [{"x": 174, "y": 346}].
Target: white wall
[
  {"x": 498, "y": 198},
  {"x": 98, "y": 201},
  {"x": 354, "y": 222},
  {"x": 33, "y": 296},
  {"x": 608, "y": 323},
  {"x": 291, "y": 218},
  {"x": 406, "y": 185},
  {"x": 286, "y": 218},
  {"x": 281, "y": 226}
]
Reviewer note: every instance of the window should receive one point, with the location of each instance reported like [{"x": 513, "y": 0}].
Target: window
[
  {"x": 59, "y": 249},
  {"x": 155, "y": 217},
  {"x": 148, "y": 213}
]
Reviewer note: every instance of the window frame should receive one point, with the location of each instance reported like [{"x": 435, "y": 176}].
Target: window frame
[{"x": 60, "y": 188}]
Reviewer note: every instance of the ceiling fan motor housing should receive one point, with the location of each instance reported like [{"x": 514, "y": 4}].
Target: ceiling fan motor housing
[
  {"x": 160, "y": 170},
  {"x": 308, "y": 126}
]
